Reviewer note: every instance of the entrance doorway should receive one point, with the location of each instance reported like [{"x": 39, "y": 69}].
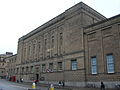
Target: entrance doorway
[{"x": 37, "y": 76}]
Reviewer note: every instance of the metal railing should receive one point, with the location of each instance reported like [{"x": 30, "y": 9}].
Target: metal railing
[{"x": 91, "y": 86}]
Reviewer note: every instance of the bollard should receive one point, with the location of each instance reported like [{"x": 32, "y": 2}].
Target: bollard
[
  {"x": 33, "y": 86},
  {"x": 51, "y": 87}
]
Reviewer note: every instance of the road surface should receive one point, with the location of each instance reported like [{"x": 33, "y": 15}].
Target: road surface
[{"x": 7, "y": 85}]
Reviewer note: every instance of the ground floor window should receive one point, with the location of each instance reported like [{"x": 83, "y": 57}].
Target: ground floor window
[
  {"x": 32, "y": 69},
  {"x": 43, "y": 68},
  {"x": 59, "y": 66},
  {"x": 74, "y": 64},
  {"x": 110, "y": 63},
  {"x": 50, "y": 67},
  {"x": 93, "y": 65}
]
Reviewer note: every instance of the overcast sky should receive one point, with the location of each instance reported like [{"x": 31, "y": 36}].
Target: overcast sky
[{"x": 18, "y": 17}]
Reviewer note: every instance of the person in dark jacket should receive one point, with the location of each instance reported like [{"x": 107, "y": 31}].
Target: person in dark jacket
[
  {"x": 60, "y": 83},
  {"x": 63, "y": 83},
  {"x": 102, "y": 86}
]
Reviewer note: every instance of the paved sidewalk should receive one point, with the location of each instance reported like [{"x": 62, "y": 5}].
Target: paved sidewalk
[
  {"x": 72, "y": 88},
  {"x": 63, "y": 88},
  {"x": 40, "y": 85},
  {"x": 80, "y": 88}
]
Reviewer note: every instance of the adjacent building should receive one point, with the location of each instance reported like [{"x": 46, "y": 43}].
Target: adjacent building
[
  {"x": 3, "y": 64},
  {"x": 10, "y": 68}
]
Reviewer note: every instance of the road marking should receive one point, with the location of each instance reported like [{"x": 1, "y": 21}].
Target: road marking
[{"x": 19, "y": 87}]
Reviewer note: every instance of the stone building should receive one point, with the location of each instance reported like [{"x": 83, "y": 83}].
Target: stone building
[
  {"x": 55, "y": 51},
  {"x": 10, "y": 68},
  {"x": 3, "y": 64},
  {"x": 102, "y": 47},
  {"x": 79, "y": 46}
]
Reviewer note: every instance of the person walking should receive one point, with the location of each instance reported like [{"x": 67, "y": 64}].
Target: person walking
[
  {"x": 63, "y": 83},
  {"x": 60, "y": 83},
  {"x": 102, "y": 86}
]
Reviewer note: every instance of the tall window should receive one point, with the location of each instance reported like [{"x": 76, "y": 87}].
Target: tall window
[
  {"x": 39, "y": 46},
  {"x": 50, "y": 67},
  {"x": 25, "y": 52},
  {"x": 37, "y": 69},
  {"x": 27, "y": 69},
  {"x": 61, "y": 42},
  {"x": 2, "y": 71},
  {"x": 94, "y": 65},
  {"x": 22, "y": 69},
  {"x": 34, "y": 50},
  {"x": 45, "y": 47},
  {"x": 52, "y": 45},
  {"x": 45, "y": 44},
  {"x": 17, "y": 70},
  {"x": 52, "y": 42},
  {"x": 74, "y": 64},
  {"x": 29, "y": 52},
  {"x": 59, "y": 66},
  {"x": 43, "y": 68},
  {"x": 61, "y": 38},
  {"x": 32, "y": 69},
  {"x": 110, "y": 63}
]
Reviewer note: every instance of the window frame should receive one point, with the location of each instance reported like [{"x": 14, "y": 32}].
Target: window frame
[
  {"x": 74, "y": 64},
  {"x": 109, "y": 63},
  {"x": 51, "y": 67},
  {"x": 94, "y": 68},
  {"x": 60, "y": 66},
  {"x": 43, "y": 67},
  {"x": 32, "y": 69}
]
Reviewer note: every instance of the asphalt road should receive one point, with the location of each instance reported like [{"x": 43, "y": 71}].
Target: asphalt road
[{"x": 6, "y": 85}]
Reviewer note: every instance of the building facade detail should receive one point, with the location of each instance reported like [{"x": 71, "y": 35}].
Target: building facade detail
[{"x": 79, "y": 46}]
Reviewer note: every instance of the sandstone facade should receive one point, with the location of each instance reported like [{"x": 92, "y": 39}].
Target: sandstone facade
[
  {"x": 102, "y": 40},
  {"x": 72, "y": 47}
]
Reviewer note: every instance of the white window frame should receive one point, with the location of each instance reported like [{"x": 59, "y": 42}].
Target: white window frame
[
  {"x": 74, "y": 64},
  {"x": 110, "y": 63},
  {"x": 94, "y": 65}
]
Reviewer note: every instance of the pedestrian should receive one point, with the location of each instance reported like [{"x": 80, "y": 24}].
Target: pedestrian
[
  {"x": 59, "y": 83},
  {"x": 17, "y": 81},
  {"x": 63, "y": 83},
  {"x": 21, "y": 80},
  {"x": 102, "y": 86}
]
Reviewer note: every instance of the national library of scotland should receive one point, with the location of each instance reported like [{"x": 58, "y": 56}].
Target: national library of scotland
[{"x": 80, "y": 47}]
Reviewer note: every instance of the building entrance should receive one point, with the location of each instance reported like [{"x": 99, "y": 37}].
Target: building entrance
[{"x": 37, "y": 76}]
